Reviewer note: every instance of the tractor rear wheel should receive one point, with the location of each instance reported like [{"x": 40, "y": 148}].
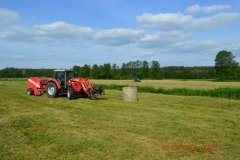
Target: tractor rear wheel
[
  {"x": 51, "y": 90},
  {"x": 70, "y": 93},
  {"x": 30, "y": 91}
]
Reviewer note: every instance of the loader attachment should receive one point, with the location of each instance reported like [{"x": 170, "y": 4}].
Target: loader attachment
[
  {"x": 88, "y": 88},
  {"x": 96, "y": 92}
]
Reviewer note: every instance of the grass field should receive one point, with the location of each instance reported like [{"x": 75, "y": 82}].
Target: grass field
[
  {"x": 169, "y": 84},
  {"x": 156, "y": 127}
]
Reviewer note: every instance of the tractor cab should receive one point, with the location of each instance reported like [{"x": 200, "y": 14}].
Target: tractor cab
[{"x": 63, "y": 76}]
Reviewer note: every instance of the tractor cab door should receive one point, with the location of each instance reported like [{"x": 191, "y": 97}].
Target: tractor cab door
[
  {"x": 70, "y": 75},
  {"x": 60, "y": 76}
]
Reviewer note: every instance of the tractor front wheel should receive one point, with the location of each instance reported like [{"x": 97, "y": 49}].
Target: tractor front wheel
[
  {"x": 30, "y": 91},
  {"x": 70, "y": 93},
  {"x": 51, "y": 90}
]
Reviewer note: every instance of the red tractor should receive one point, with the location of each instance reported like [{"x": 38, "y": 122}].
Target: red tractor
[{"x": 63, "y": 83}]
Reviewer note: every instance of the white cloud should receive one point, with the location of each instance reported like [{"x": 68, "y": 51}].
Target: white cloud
[
  {"x": 193, "y": 9},
  {"x": 193, "y": 46},
  {"x": 206, "y": 9},
  {"x": 215, "y": 21},
  {"x": 64, "y": 30},
  {"x": 162, "y": 39},
  {"x": 118, "y": 36},
  {"x": 175, "y": 42},
  {"x": 53, "y": 32},
  {"x": 215, "y": 8},
  {"x": 187, "y": 23},
  {"x": 145, "y": 53},
  {"x": 61, "y": 31},
  {"x": 164, "y": 21},
  {"x": 18, "y": 34},
  {"x": 21, "y": 57},
  {"x": 8, "y": 17},
  {"x": 168, "y": 34}
]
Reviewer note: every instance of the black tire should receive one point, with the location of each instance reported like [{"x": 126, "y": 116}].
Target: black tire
[
  {"x": 70, "y": 93},
  {"x": 30, "y": 91},
  {"x": 51, "y": 90}
]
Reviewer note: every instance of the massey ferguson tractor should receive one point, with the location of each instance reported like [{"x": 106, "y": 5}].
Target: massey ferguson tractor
[{"x": 63, "y": 83}]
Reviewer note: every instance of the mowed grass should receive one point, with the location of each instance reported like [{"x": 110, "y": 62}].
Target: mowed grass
[
  {"x": 55, "y": 128},
  {"x": 170, "y": 84}
]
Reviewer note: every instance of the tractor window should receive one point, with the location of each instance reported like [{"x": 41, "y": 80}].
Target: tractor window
[
  {"x": 70, "y": 75},
  {"x": 59, "y": 75}
]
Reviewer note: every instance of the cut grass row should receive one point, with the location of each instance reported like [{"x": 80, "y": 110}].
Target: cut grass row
[{"x": 231, "y": 93}]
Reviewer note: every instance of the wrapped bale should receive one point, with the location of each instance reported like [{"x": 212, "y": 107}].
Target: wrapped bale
[{"x": 130, "y": 94}]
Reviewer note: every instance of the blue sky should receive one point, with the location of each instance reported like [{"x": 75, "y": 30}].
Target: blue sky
[{"x": 63, "y": 33}]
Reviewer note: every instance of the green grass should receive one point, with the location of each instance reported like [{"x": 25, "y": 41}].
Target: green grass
[
  {"x": 13, "y": 79},
  {"x": 44, "y": 128}
]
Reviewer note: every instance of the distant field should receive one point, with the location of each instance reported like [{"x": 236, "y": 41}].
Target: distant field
[
  {"x": 156, "y": 127},
  {"x": 169, "y": 84}
]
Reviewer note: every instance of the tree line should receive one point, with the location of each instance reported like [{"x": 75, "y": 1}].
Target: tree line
[
  {"x": 226, "y": 68},
  {"x": 142, "y": 69}
]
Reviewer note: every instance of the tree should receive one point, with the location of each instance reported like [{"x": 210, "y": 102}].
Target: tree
[
  {"x": 95, "y": 71},
  {"x": 11, "y": 73},
  {"x": 124, "y": 72},
  {"x": 77, "y": 69},
  {"x": 105, "y": 71},
  {"x": 156, "y": 72},
  {"x": 115, "y": 72},
  {"x": 137, "y": 67},
  {"x": 144, "y": 69},
  {"x": 85, "y": 71},
  {"x": 226, "y": 66}
]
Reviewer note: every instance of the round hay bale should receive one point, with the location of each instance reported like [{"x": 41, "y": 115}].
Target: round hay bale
[{"x": 130, "y": 94}]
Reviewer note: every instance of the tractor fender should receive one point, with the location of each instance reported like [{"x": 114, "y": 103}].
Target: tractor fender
[{"x": 56, "y": 82}]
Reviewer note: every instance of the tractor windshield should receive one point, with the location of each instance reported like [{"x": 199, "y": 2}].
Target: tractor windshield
[
  {"x": 59, "y": 75},
  {"x": 70, "y": 75}
]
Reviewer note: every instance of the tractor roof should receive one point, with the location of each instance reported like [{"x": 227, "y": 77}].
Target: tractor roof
[{"x": 62, "y": 70}]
